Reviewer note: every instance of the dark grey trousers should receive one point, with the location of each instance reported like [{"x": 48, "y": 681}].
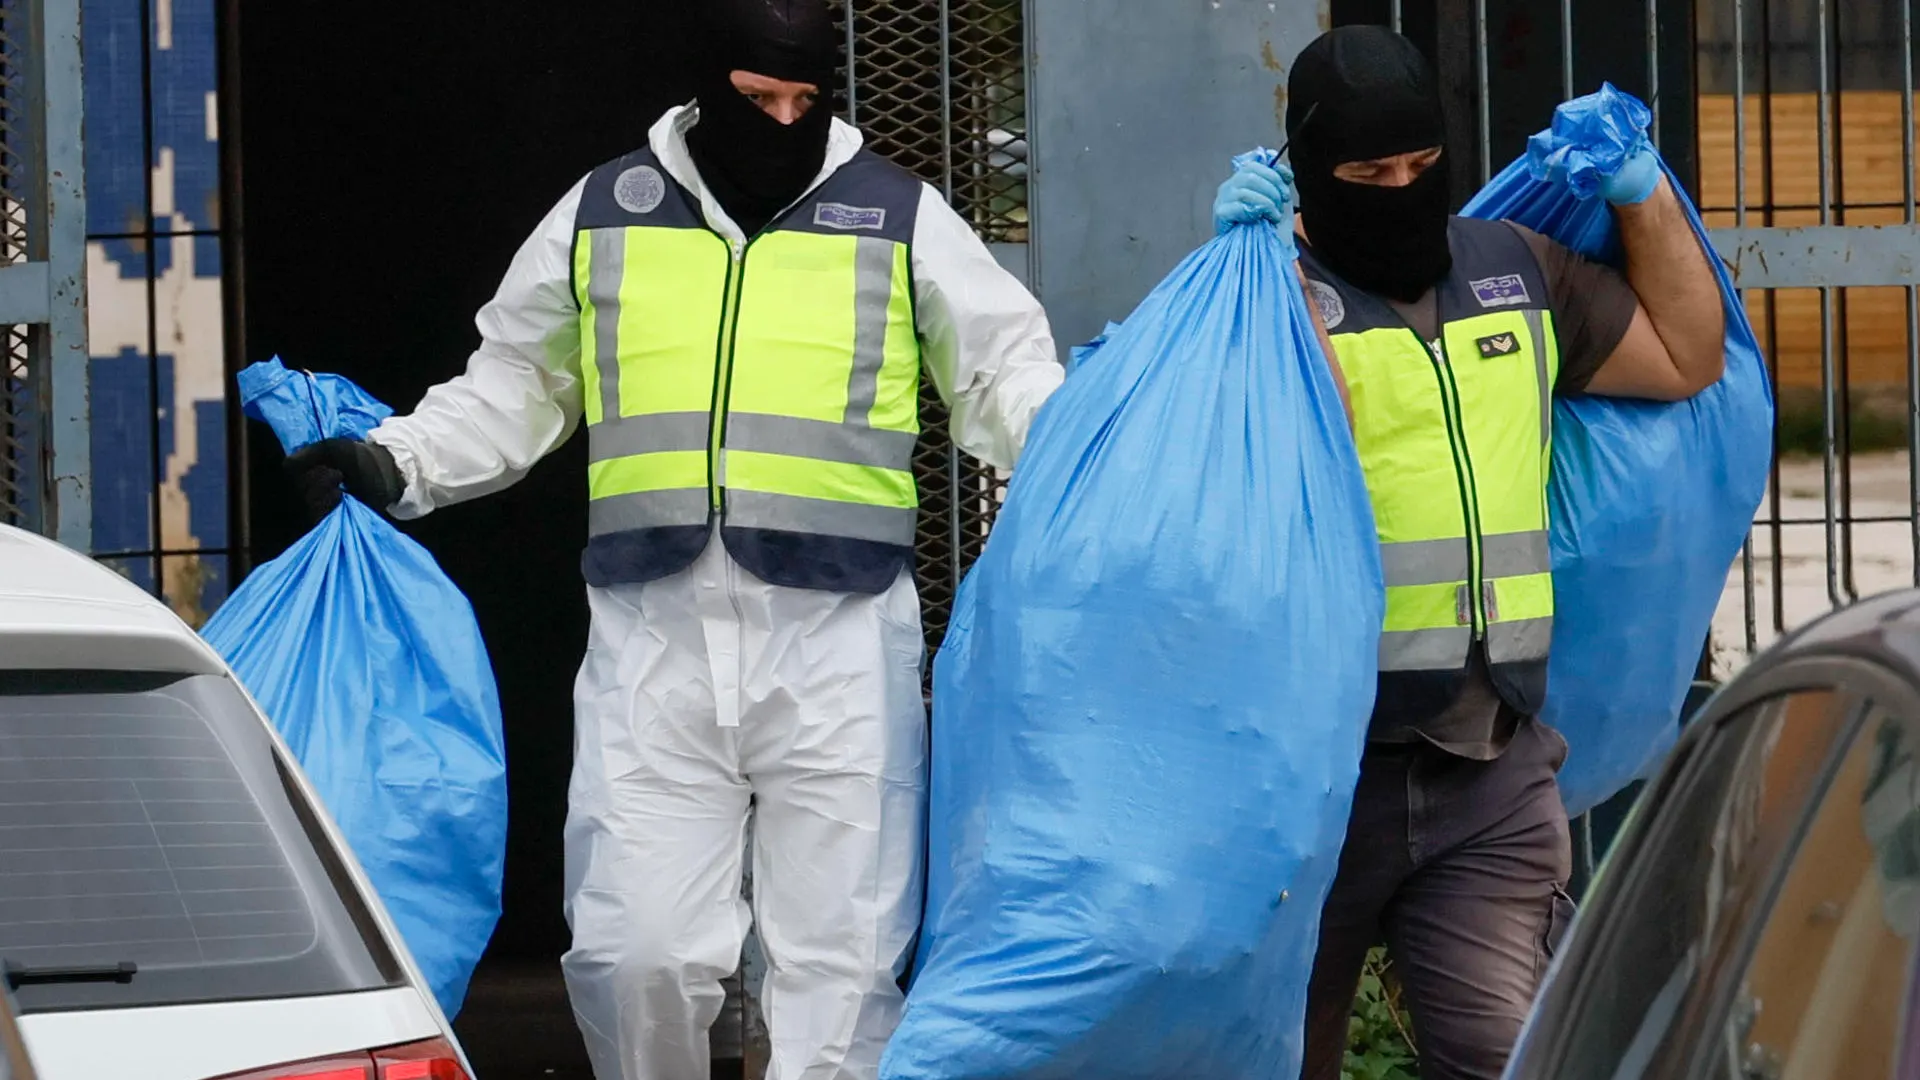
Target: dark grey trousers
[{"x": 1460, "y": 867}]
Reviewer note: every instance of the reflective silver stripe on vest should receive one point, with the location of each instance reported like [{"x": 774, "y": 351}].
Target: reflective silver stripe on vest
[
  {"x": 1537, "y": 326},
  {"x": 1442, "y": 562},
  {"x": 649, "y": 433},
  {"x": 1424, "y": 562},
  {"x": 1515, "y": 554},
  {"x": 1524, "y": 639},
  {"x": 607, "y": 267},
  {"x": 821, "y": 517},
  {"x": 872, "y": 297},
  {"x": 647, "y": 510},
  {"x": 822, "y": 439},
  {"x": 1442, "y": 649},
  {"x": 658, "y": 433}
]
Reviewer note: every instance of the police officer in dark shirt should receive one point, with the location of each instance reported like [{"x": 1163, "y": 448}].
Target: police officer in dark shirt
[{"x": 1452, "y": 337}]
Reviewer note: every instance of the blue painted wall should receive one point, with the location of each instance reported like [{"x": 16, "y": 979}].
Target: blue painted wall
[{"x": 159, "y": 420}]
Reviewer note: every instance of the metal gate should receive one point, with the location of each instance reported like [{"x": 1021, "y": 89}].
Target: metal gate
[
  {"x": 43, "y": 353},
  {"x": 940, "y": 88},
  {"x": 1807, "y": 151},
  {"x": 1795, "y": 121}
]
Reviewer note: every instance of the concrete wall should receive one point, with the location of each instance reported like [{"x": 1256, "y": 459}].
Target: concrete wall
[{"x": 1134, "y": 110}]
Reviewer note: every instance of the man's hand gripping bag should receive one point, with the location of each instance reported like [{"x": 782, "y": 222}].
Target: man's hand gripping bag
[
  {"x": 369, "y": 662},
  {"x": 1650, "y": 502},
  {"x": 1149, "y": 710}
]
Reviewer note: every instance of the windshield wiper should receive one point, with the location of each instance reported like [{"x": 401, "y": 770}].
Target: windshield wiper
[{"x": 19, "y": 975}]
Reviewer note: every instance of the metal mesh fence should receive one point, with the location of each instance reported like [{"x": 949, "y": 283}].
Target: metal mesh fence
[
  {"x": 940, "y": 88},
  {"x": 13, "y": 210},
  {"x": 989, "y": 112},
  {"x": 17, "y": 473},
  {"x": 18, "y": 468}
]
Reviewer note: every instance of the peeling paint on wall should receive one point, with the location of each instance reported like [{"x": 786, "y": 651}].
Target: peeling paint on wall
[{"x": 153, "y": 275}]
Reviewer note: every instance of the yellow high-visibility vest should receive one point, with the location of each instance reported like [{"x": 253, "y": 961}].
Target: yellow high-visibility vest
[
  {"x": 770, "y": 385},
  {"x": 1455, "y": 440}
]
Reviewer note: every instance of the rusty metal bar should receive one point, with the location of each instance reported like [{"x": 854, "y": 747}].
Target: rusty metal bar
[
  {"x": 1809, "y": 256},
  {"x": 1480, "y": 50},
  {"x": 1776, "y": 553},
  {"x": 1749, "y": 602},
  {"x": 49, "y": 288},
  {"x": 1830, "y": 421},
  {"x": 1653, "y": 68},
  {"x": 853, "y": 72},
  {"x": 981, "y": 131},
  {"x": 1566, "y": 50},
  {"x": 1843, "y": 340},
  {"x": 1913, "y": 298},
  {"x": 946, "y": 99}
]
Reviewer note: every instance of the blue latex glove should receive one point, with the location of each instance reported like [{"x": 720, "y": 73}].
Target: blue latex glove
[
  {"x": 1255, "y": 192},
  {"x": 1636, "y": 179}
]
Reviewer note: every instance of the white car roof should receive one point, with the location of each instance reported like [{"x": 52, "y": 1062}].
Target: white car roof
[{"x": 60, "y": 610}]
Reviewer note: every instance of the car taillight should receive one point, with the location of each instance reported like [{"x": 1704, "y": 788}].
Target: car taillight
[{"x": 431, "y": 1060}]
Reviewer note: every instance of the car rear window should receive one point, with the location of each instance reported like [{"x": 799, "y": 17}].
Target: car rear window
[{"x": 145, "y": 820}]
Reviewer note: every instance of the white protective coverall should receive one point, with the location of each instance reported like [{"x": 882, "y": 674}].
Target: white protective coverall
[{"x": 710, "y": 690}]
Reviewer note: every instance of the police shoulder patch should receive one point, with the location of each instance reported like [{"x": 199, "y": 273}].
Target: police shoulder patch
[
  {"x": 840, "y": 216},
  {"x": 1507, "y": 290},
  {"x": 1326, "y": 298},
  {"x": 640, "y": 190}
]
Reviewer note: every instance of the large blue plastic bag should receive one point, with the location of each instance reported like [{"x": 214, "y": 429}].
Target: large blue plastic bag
[
  {"x": 1151, "y": 704},
  {"x": 369, "y": 662},
  {"x": 1079, "y": 354},
  {"x": 1650, "y": 502}
]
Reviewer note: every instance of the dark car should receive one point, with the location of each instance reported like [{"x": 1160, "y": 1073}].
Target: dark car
[{"x": 1756, "y": 918}]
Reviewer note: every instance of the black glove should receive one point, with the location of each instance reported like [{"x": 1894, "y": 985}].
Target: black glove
[{"x": 366, "y": 469}]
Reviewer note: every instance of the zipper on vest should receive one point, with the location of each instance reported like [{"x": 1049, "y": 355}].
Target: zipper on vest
[
  {"x": 1469, "y": 495},
  {"x": 723, "y": 372},
  {"x": 1462, "y": 459},
  {"x": 1463, "y": 474},
  {"x": 723, "y": 353}
]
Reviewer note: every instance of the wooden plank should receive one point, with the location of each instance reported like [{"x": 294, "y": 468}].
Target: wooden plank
[
  {"x": 1866, "y": 137},
  {"x": 1872, "y": 333}
]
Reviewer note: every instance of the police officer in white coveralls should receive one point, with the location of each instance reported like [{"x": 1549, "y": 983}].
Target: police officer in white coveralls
[{"x": 740, "y": 312}]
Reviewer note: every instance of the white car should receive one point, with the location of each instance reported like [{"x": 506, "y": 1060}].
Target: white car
[
  {"x": 174, "y": 902},
  {"x": 15, "y": 1064}
]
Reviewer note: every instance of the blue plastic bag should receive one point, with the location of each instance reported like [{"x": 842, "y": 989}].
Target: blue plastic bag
[
  {"x": 1079, "y": 354},
  {"x": 1650, "y": 502},
  {"x": 1150, "y": 706},
  {"x": 369, "y": 662}
]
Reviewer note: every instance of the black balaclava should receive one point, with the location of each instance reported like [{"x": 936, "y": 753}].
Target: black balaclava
[
  {"x": 1373, "y": 95},
  {"x": 755, "y": 165}
]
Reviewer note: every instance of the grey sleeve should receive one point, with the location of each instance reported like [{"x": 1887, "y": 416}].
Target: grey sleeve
[{"x": 1592, "y": 307}]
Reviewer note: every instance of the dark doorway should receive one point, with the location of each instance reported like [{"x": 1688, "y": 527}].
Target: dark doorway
[
  {"x": 1524, "y": 71},
  {"x": 391, "y": 159}
]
